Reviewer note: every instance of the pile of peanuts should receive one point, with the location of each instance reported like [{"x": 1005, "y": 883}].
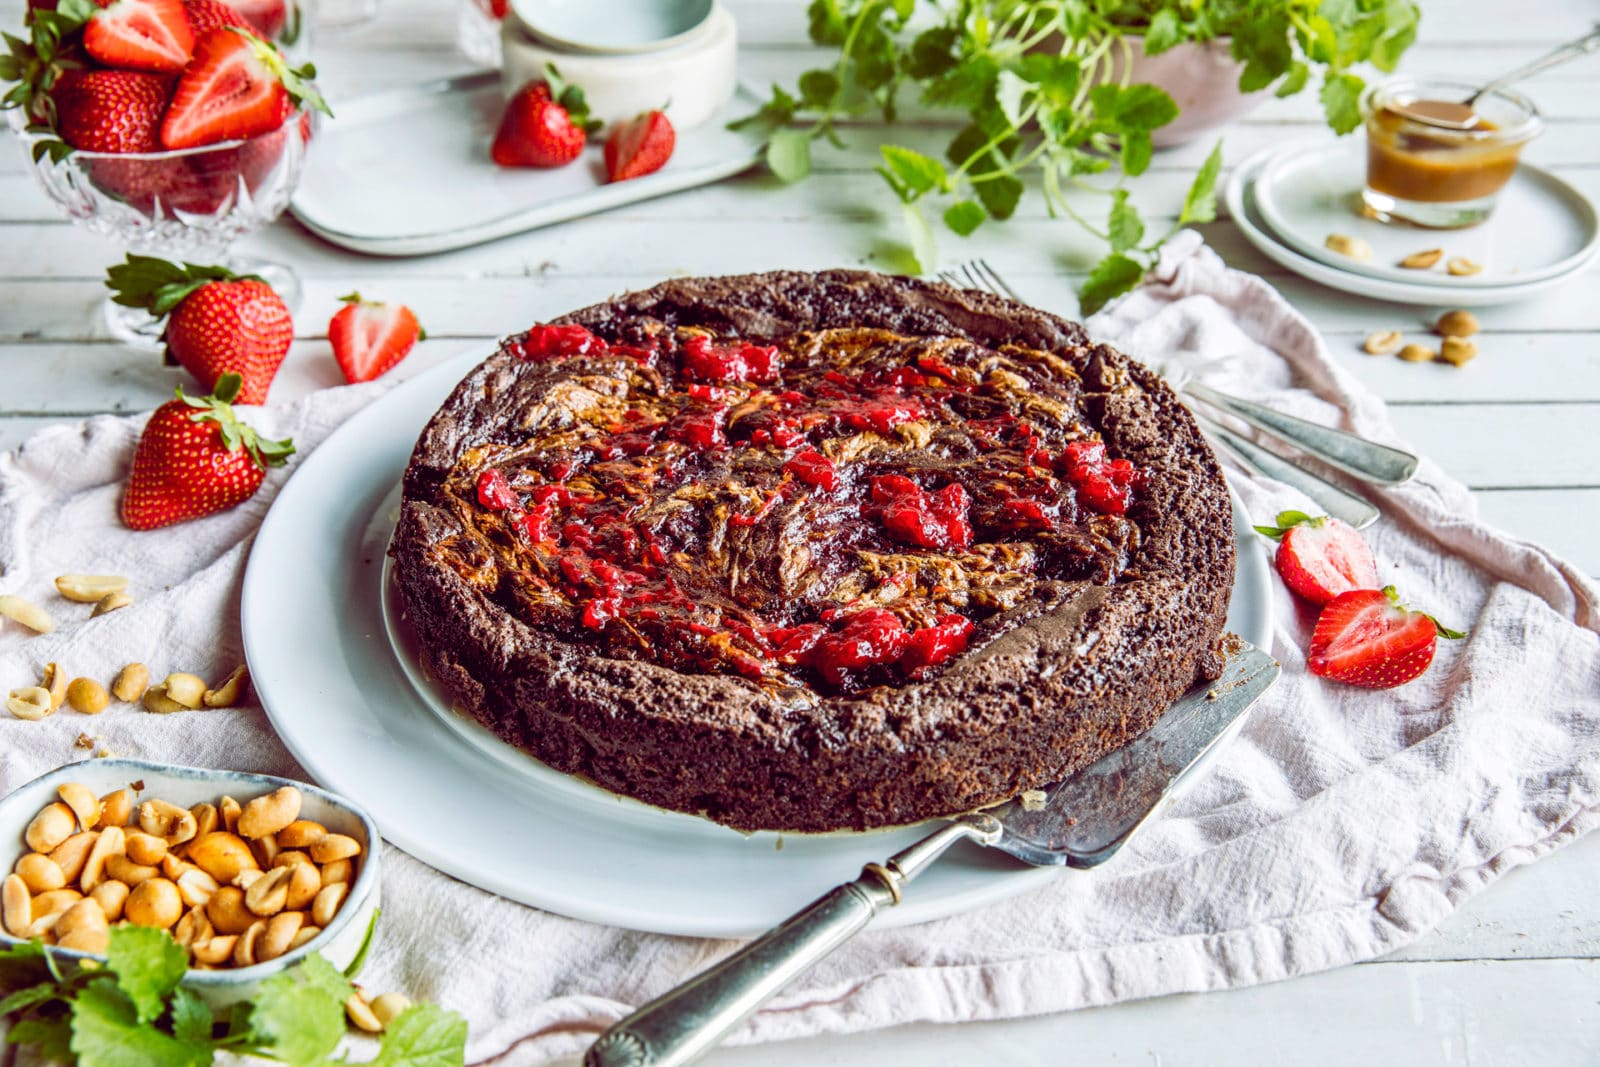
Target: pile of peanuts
[
  {"x": 1457, "y": 349},
  {"x": 234, "y": 885}
]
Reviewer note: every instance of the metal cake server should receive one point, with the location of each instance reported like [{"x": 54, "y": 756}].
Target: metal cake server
[{"x": 1081, "y": 822}]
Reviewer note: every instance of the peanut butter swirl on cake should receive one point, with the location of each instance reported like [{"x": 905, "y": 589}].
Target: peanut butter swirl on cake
[{"x": 811, "y": 552}]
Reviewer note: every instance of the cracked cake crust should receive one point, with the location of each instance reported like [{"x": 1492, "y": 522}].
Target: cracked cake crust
[{"x": 1075, "y": 671}]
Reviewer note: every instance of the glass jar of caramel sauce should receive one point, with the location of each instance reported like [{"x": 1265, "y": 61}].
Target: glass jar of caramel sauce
[{"x": 1433, "y": 160}]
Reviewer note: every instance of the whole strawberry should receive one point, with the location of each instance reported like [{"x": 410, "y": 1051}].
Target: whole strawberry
[
  {"x": 546, "y": 124},
  {"x": 370, "y": 338},
  {"x": 1320, "y": 557},
  {"x": 1366, "y": 637},
  {"x": 196, "y": 458},
  {"x": 112, "y": 110},
  {"x": 217, "y": 321},
  {"x": 640, "y": 146}
]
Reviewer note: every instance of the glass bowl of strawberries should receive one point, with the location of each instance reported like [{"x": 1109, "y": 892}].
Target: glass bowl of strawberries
[{"x": 168, "y": 126}]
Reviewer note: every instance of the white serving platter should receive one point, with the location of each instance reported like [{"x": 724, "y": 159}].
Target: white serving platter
[
  {"x": 406, "y": 172},
  {"x": 317, "y": 641}
]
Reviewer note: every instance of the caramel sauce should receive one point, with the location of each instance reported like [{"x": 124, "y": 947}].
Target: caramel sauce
[{"x": 1417, "y": 165}]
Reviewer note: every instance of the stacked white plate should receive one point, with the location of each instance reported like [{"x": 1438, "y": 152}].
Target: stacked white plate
[{"x": 1289, "y": 199}]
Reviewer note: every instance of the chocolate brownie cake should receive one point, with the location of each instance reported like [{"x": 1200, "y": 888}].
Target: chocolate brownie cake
[{"x": 814, "y": 551}]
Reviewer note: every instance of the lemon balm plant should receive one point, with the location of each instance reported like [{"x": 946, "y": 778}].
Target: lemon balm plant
[{"x": 1044, "y": 91}]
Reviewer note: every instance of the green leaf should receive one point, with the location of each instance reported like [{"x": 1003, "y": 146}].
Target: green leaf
[
  {"x": 789, "y": 154},
  {"x": 1294, "y": 81},
  {"x": 52, "y": 1037},
  {"x": 191, "y": 1017},
  {"x": 424, "y": 1035},
  {"x": 1136, "y": 151},
  {"x": 818, "y": 87},
  {"x": 964, "y": 216},
  {"x": 933, "y": 52},
  {"x": 1111, "y": 277},
  {"x": 1164, "y": 32},
  {"x": 360, "y": 959},
  {"x": 29, "y": 996},
  {"x": 1341, "y": 95},
  {"x": 826, "y": 22},
  {"x": 912, "y": 171},
  {"x": 1288, "y": 520},
  {"x": 298, "y": 1015},
  {"x": 1446, "y": 632},
  {"x": 1145, "y": 107},
  {"x": 1009, "y": 93},
  {"x": 923, "y": 247},
  {"x": 966, "y": 86},
  {"x": 148, "y": 963},
  {"x": 106, "y": 1032},
  {"x": 999, "y": 195},
  {"x": 1124, "y": 227},
  {"x": 1200, "y": 202}
]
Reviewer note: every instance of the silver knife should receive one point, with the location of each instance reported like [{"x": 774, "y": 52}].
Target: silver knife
[{"x": 1080, "y": 822}]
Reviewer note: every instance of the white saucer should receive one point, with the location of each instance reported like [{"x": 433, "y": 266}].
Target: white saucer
[
  {"x": 316, "y": 640},
  {"x": 448, "y": 194},
  {"x": 1542, "y": 228},
  {"x": 1240, "y": 197}
]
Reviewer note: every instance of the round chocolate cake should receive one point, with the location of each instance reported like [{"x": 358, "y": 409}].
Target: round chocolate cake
[{"x": 814, "y": 551}]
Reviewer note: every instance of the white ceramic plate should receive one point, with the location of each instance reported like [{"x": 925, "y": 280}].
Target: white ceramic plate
[
  {"x": 320, "y": 658},
  {"x": 1541, "y": 228},
  {"x": 613, "y": 26},
  {"x": 447, "y": 194},
  {"x": 1240, "y": 197}
]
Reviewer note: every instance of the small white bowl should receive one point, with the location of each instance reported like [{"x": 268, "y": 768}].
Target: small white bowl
[
  {"x": 339, "y": 942},
  {"x": 613, "y": 26}
]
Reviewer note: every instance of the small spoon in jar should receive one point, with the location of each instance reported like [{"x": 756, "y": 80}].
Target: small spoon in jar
[{"x": 1453, "y": 115}]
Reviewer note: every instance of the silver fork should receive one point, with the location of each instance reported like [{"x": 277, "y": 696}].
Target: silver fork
[{"x": 1354, "y": 455}]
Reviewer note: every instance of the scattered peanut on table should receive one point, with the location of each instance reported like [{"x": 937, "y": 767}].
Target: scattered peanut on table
[{"x": 195, "y": 872}]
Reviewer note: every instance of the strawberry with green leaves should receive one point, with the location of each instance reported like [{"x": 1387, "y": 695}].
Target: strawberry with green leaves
[
  {"x": 217, "y": 321},
  {"x": 196, "y": 458},
  {"x": 237, "y": 86},
  {"x": 1367, "y": 638},
  {"x": 48, "y": 60},
  {"x": 1320, "y": 557},
  {"x": 370, "y": 338},
  {"x": 546, "y": 124}
]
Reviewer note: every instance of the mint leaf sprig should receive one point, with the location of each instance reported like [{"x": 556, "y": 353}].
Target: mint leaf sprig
[
  {"x": 134, "y": 1012},
  {"x": 1044, "y": 91}
]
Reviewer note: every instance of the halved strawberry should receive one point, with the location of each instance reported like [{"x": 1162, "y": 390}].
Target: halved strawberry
[
  {"x": 207, "y": 15},
  {"x": 266, "y": 17},
  {"x": 370, "y": 338},
  {"x": 1365, "y": 637},
  {"x": 238, "y": 86},
  {"x": 1320, "y": 557},
  {"x": 640, "y": 146},
  {"x": 140, "y": 35}
]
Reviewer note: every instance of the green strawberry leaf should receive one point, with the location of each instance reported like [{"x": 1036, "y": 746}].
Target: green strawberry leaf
[{"x": 1287, "y": 520}]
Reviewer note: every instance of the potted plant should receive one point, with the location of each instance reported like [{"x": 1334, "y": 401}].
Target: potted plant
[{"x": 1056, "y": 88}]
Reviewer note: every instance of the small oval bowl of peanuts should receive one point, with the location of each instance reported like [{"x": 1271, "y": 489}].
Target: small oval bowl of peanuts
[{"x": 250, "y": 873}]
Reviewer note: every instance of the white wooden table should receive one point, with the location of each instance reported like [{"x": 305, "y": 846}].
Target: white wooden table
[{"x": 1514, "y": 977}]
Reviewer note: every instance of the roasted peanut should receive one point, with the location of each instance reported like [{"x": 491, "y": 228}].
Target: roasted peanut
[
  {"x": 133, "y": 874},
  {"x": 116, "y": 808},
  {"x": 85, "y": 939},
  {"x": 271, "y": 813},
  {"x": 186, "y": 689},
  {"x": 109, "y": 603},
  {"x": 1457, "y": 351},
  {"x": 111, "y": 842},
  {"x": 156, "y": 701},
  {"x": 1422, "y": 260},
  {"x": 27, "y": 613},
  {"x": 55, "y": 902},
  {"x": 267, "y": 895},
  {"x": 1415, "y": 353},
  {"x": 228, "y": 810},
  {"x": 305, "y": 882},
  {"x": 1462, "y": 266},
  {"x": 303, "y": 936},
  {"x": 174, "y": 866},
  {"x": 244, "y": 951},
  {"x": 168, "y": 821},
  {"x": 144, "y": 848},
  {"x": 87, "y": 588},
  {"x": 51, "y": 826},
  {"x": 1456, "y": 324},
  {"x": 82, "y": 914},
  {"x": 55, "y": 680},
  {"x": 1382, "y": 343},
  {"x": 154, "y": 902},
  {"x": 360, "y": 1014},
  {"x": 337, "y": 871},
  {"x": 31, "y": 702},
  {"x": 216, "y": 950},
  {"x": 87, "y": 696},
  {"x": 331, "y": 847},
  {"x": 291, "y": 855},
  {"x": 227, "y": 692},
  {"x": 1354, "y": 247},
  {"x": 205, "y": 818},
  {"x": 73, "y": 853},
  {"x": 131, "y": 682},
  {"x": 221, "y": 855},
  {"x": 194, "y": 926},
  {"x": 39, "y": 873},
  {"x": 112, "y": 896},
  {"x": 327, "y": 902},
  {"x": 279, "y": 935},
  {"x": 227, "y": 912},
  {"x": 265, "y": 849},
  {"x": 84, "y": 804},
  {"x": 301, "y": 833},
  {"x": 247, "y": 878},
  {"x": 390, "y": 1006},
  {"x": 16, "y": 905}
]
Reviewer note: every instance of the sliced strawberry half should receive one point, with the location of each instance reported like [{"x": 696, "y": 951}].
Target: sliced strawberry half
[
  {"x": 1366, "y": 637},
  {"x": 1320, "y": 557},
  {"x": 140, "y": 35},
  {"x": 238, "y": 86},
  {"x": 640, "y": 146},
  {"x": 267, "y": 17},
  {"x": 207, "y": 15},
  {"x": 370, "y": 338}
]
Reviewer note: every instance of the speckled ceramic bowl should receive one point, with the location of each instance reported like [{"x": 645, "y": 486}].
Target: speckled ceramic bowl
[{"x": 340, "y": 942}]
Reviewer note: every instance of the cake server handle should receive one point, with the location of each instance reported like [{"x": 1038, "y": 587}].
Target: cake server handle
[{"x": 685, "y": 1023}]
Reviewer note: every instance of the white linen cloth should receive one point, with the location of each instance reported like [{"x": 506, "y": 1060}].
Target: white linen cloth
[{"x": 1340, "y": 825}]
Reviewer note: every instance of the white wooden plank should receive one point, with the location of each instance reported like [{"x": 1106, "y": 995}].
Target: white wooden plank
[
  {"x": 1564, "y": 520},
  {"x": 1498, "y": 446},
  {"x": 1511, "y": 367}
]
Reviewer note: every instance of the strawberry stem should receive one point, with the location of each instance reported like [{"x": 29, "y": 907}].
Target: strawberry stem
[
  {"x": 296, "y": 82},
  {"x": 1443, "y": 630},
  {"x": 218, "y": 408},
  {"x": 1288, "y": 520},
  {"x": 158, "y": 286}
]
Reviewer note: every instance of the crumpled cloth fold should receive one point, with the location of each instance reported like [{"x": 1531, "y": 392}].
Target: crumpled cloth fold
[{"x": 1340, "y": 825}]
